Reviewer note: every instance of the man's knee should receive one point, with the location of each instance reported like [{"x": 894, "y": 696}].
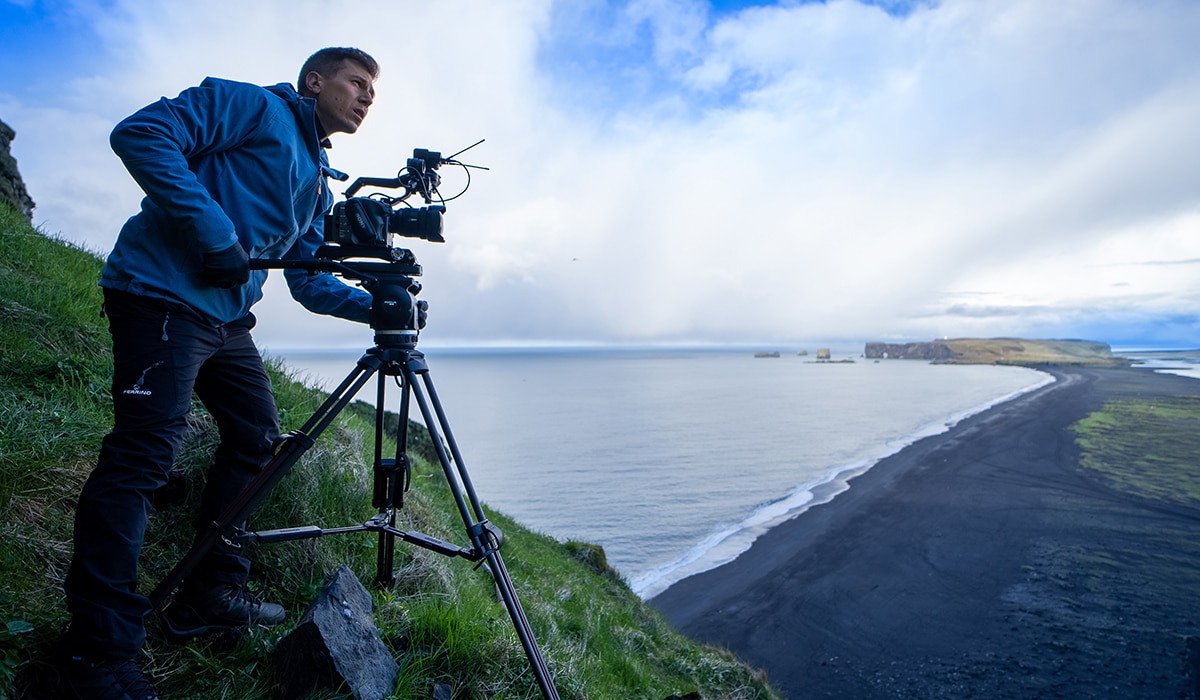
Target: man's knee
[{"x": 141, "y": 458}]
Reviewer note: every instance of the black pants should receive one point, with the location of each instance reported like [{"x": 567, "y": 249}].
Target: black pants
[{"x": 162, "y": 352}]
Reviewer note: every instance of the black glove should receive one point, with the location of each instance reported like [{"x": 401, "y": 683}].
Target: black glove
[{"x": 227, "y": 268}]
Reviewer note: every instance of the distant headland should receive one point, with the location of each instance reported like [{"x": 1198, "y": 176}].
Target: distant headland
[{"x": 1000, "y": 351}]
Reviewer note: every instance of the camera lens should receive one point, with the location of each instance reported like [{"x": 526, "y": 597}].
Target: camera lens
[{"x": 424, "y": 223}]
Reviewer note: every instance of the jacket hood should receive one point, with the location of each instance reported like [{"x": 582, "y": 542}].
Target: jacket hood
[{"x": 305, "y": 109}]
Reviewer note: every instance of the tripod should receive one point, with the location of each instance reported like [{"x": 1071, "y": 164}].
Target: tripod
[{"x": 394, "y": 318}]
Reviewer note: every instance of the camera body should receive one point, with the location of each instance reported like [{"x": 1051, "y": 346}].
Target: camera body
[{"x": 368, "y": 222}]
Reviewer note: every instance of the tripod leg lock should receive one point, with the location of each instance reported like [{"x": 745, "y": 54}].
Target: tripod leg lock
[
  {"x": 487, "y": 538},
  {"x": 297, "y": 436},
  {"x": 233, "y": 537}
]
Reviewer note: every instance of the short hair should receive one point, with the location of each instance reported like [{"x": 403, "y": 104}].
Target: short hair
[{"x": 328, "y": 60}]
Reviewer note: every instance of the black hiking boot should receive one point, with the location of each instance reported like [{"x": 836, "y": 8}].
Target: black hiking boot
[{"x": 219, "y": 609}]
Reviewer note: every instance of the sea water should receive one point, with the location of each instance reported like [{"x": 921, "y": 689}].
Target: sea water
[
  {"x": 676, "y": 460},
  {"x": 1185, "y": 363}
]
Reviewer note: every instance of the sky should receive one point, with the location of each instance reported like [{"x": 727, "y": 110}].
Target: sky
[{"x": 786, "y": 175}]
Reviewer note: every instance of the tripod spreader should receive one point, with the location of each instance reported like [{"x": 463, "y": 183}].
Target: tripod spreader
[{"x": 378, "y": 523}]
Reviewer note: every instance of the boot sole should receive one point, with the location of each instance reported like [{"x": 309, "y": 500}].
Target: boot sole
[{"x": 181, "y": 635}]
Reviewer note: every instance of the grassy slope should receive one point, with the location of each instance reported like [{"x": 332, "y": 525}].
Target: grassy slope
[
  {"x": 441, "y": 619},
  {"x": 1003, "y": 351},
  {"x": 1020, "y": 351}
]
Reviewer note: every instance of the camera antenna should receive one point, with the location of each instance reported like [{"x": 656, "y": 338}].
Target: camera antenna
[{"x": 450, "y": 158}]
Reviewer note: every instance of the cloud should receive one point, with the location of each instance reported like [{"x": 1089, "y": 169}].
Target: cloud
[{"x": 663, "y": 170}]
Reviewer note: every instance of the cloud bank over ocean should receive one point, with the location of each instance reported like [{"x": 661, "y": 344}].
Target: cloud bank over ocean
[{"x": 679, "y": 171}]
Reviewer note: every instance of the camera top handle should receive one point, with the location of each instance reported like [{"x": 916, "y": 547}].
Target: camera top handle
[{"x": 418, "y": 176}]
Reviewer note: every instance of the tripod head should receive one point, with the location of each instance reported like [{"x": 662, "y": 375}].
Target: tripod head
[{"x": 396, "y": 315}]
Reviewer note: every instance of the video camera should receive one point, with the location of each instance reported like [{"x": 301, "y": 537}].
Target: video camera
[{"x": 362, "y": 226}]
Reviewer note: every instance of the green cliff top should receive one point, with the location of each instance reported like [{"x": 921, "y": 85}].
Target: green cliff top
[{"x": 1001, "y": 351}]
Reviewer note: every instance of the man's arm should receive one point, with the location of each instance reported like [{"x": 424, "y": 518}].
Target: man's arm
[
  {"x": 323, "y": 293},
  {"x": 156, "y": 142}
]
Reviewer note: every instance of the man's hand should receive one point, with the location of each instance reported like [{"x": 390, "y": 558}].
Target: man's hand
[{"x": 227, "y": 268}]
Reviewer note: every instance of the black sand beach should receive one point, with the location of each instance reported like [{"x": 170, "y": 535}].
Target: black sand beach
[{"x": 980, "y": 563}]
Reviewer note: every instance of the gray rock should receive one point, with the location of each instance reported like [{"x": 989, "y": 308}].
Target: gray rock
[{"x": 336, "y": 646}]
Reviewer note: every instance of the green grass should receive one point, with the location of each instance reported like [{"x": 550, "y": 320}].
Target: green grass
[
  {"x": 1004, "y": 351},
  {"x": 441, "y": 619},
  {"x": 1145, "y": 448}
]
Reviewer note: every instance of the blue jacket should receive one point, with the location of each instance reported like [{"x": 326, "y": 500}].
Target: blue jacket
[{"x": 220, "y": 163}]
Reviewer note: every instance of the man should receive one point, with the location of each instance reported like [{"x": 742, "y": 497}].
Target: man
[{"x": 231, "y": 171}]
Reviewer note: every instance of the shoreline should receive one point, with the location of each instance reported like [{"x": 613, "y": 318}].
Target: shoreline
[
  {"x": 741, "y": 536},
  {"x": 940, "y": 572}
]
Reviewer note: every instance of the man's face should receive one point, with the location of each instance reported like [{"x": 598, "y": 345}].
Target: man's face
[{"x": 342, "y": 98}]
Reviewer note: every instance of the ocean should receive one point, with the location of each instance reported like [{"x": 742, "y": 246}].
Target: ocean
[
  {"x": 1185, "y": 363},
  {"x": 676, "y": 460}
]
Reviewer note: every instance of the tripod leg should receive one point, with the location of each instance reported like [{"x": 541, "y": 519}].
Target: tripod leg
[
  {"x": 483, "y": 535},
  {"x": 385, "y": 476},
  {"x": 508, "y": 593},
  {"x": 294, "y": 447},
  {"x": 391, "y": 481}
]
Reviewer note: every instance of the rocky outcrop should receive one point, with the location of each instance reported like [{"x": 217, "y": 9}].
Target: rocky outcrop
[
  {"x": 12, "y": 187},
  {"x": 934, "y": 351}
]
